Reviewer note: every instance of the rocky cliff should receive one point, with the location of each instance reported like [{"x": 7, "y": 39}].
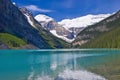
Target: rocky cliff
[{"x": 13, "y": 21}]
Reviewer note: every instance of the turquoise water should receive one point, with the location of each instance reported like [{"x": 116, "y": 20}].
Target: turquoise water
[{"x": 56, "y": 64}]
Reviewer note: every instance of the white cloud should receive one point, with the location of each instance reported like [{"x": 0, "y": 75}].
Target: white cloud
[{"x": 35, "y": 8}]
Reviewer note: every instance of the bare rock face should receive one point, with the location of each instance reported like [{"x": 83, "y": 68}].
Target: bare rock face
[
  {"x": 93, "y": 31},
  {"x": 29, "y": 16},
  {"x": 76, "y": 30},
  {"x": 61, "y": 31}
]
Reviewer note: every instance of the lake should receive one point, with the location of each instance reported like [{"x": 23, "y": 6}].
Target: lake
[{"x": 60, "y": 64}]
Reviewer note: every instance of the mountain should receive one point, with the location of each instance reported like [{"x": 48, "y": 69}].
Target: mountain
[
  {"x": 25, "y": 27},
  {"x": 43, "y": 19},
  {"x": 110, "y": 39},
  {"x": 76, "y": 25},
  {"x": 104, "y": 34},
  {"x": 52, "y": 26},
  {"x": 53, "y": 41},
  {"x": 8, "y": 41},
  {"x": 83, "y": 21},
  {"x": 68, "y": 29}
]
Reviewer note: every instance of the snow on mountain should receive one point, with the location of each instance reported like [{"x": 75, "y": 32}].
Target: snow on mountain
[
  {"x": 68, "y": 27},
  {"x": 28, "y": 15},
  {"x": 43, "y": 18},
  {"x": 56, "y": 29},
  {"x": 83, "y": 21},
  {"x": 29, "y": 20},
  {"x": 62, "y": 37}
]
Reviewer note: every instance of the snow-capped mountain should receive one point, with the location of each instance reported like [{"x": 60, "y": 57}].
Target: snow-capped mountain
[
  {"x": 50, "y": 40},
  {"x": 43, "y": 19},
  {"x": 67, "y": 29},
  {"x": 83, "y": 21},
  {"x": 56, "y": 29}
]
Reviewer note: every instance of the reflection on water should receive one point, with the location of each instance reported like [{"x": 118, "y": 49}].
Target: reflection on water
[
  {"x": 52, "y": 64},
  {"x": 78, "y": 75}
]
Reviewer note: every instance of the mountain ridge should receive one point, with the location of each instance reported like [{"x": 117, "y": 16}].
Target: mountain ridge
[
  {"x": 68, "y": 33},
  {"x": 14, "y": 22},
  {"x": 99, "y": 29},
  {"x": 83, "y": 21},
  {"x": 52, "y": 40},
  {"x": 52, "y": 26}
]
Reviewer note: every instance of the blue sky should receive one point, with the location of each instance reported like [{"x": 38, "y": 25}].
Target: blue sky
[{"x": 61, "y": 9}]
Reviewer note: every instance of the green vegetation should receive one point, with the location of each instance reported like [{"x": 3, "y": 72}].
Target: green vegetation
[
  {"x": 11, "y": 41},
  {"x": 108, "y": 39}
]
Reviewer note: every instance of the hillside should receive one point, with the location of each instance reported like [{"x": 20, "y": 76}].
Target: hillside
[
  {"x": 8, "y": 41},
  {"x": 110, "y": 39},
  {"x": 100, "y": 35},
  {"x": 48, "y": 37},
  {"x": 14, "y": 22}
]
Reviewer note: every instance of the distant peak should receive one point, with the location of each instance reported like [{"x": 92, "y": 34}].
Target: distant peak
[
  {"x": 83, "y": 21},
  {"x": 42, "y": 17}
]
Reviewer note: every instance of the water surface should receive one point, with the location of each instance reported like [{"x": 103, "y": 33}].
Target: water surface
[{"x": 65, "y": 64}]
